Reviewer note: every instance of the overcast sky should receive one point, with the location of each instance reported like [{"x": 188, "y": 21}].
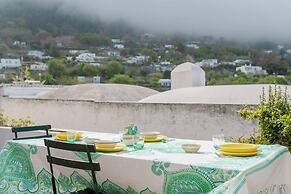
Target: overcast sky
[{"x": 232, "y": 19}]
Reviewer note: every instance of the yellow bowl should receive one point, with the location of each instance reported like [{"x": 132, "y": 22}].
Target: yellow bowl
[{"x": 191, "y": 148}]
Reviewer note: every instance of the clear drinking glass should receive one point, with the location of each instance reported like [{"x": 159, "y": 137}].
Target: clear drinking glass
[
  {"x": 138, "y": 142},
  {"x": 218, "y": 140},
  {"x": 71, "y": 136}
]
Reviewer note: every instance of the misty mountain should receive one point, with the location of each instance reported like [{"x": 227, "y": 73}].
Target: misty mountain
[
  {"x": 20, "y": 18},
  {"x": 243, "y": 21}
]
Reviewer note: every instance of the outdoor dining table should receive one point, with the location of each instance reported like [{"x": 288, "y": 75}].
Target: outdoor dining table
[{"x": 161, "y": 167}]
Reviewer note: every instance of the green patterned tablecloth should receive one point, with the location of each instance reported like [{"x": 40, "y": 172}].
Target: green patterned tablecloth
[{"x": 158, "y": 168}]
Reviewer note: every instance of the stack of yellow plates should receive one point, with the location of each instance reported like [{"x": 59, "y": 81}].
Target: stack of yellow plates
[
  {"x": 116, "y": 148},
  {"x": 62, "y": 136},
  {"x": 154, "y": 138},
  {"x": 238, "y": 149}
]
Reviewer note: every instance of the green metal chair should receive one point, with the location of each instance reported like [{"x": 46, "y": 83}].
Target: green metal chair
[
  {"x": 90, "y": 166},
  {"x": 17, "y": 130}
]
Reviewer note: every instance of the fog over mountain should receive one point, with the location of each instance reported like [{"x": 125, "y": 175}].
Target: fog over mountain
[{"x": 241, "y": 20}]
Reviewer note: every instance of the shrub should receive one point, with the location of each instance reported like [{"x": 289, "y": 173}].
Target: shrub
[
  {"x": 274, "y": 118},
  {"x": 10, "y": 122}
]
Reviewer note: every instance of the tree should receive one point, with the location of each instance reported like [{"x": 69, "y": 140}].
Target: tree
[
  {"x": 48, "y": 79},
  {"x": 3, "y": 49},
  {"x": 94, "y": 39},
  {"x": 89, "y": 70},
  {"x": 110, "y": 68},
  {"x": 122, "y": 79},
  {"x": 154, "y": 79},
  {"x": 167, "y": 74},
  {"x": 76, "y": 70},
  {"x": 57, "y": 68},
  {"x": 180, "y": 47},
  {"x": 54, "y": 51},
  {"x": 67, "y": 80},
  {"x": 149, "y": 52},
  {"x": 27, "y": 74}
]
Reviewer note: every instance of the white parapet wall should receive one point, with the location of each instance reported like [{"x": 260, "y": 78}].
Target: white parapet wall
[{"x": 194, "y": 121}]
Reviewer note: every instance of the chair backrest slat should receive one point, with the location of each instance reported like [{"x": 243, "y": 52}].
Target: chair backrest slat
[
  {"x": 31, "y": 128},
  {"x": 69, "y": 147},
  {"x": 35, "y": 137},
  {"x": 73, "y": 164}
]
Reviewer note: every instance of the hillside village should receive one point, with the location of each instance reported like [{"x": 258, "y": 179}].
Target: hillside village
[
  {"x": 118, "y": 63},
  {"x": 67, "y": 50}
]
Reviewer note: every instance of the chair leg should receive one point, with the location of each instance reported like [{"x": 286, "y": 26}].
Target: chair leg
[{"x": 54, "y": 185}]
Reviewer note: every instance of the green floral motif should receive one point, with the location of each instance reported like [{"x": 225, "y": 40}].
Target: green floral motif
[
  {"x": 17, "y": 175},
  {"x": 65, "y": 184},
  {"x": 4, "y": 186},
  {"x": 130, "y": 190},
  {"x": 147, "y": 191},
  {"x": 44, "y": 181},
  {"x": 83, "y": 155},
  {"x": 33, "y": 149},
  {"x": 79, "y": 182},
  {"x": 15, "y": 164},
  {"x": 195, "y": 180},
  {"x": 111, "y": 187},
  {"x": 280, "y": 188},
  {"x": 158, "y": 167}
]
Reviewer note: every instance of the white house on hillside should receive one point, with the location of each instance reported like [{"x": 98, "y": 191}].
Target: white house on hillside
[
  {"x": 241, "y": 61},
  {"x": 85, "y": 79},
  {"x": 165, "y": 63},
  {"x": 113, "y": 53},
  {"x": 192, "y": 45},
  {"x": 77, "y": 52},
  {"x": 169, "y": 46},
  {"x": 118, "y": 46},
  {"x": 137, "y": 59},
  {"x": 251, "y": 70},
  {"x": 165, "y": 82},
  {"x": 207, "y": 63},
  {"x": 35, "y": 54},
  {"x": 116, "y": 41},
  {"x": 86, "y": 57},
  {"x": 9, "y": 63},
  {"x": 38, "y": 67}
]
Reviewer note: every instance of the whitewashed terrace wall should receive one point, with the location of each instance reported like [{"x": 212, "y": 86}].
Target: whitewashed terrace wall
[{"x": 195, "y": 121}]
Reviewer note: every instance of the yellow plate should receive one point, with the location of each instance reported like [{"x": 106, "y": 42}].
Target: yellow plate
[
  {"x": 156, "y": 139},
  {"x": 62, "y": 136},
  {"x": 238, "y": 154},
  {"x": 101, "y": 145},
  {"x": 238, "y": 148},
  {"x": 117, "y": 148}
]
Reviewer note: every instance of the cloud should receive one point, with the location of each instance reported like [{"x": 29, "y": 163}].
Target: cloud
[{"x": 232, "y": 19}]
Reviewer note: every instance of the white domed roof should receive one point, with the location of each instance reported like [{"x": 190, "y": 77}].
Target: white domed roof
[
  {"x": 187, "y": 75},
  {"x": 224, "y": 94},
  {"x": 187, "y": 66},
  {"x": 101, "y": 92}
]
